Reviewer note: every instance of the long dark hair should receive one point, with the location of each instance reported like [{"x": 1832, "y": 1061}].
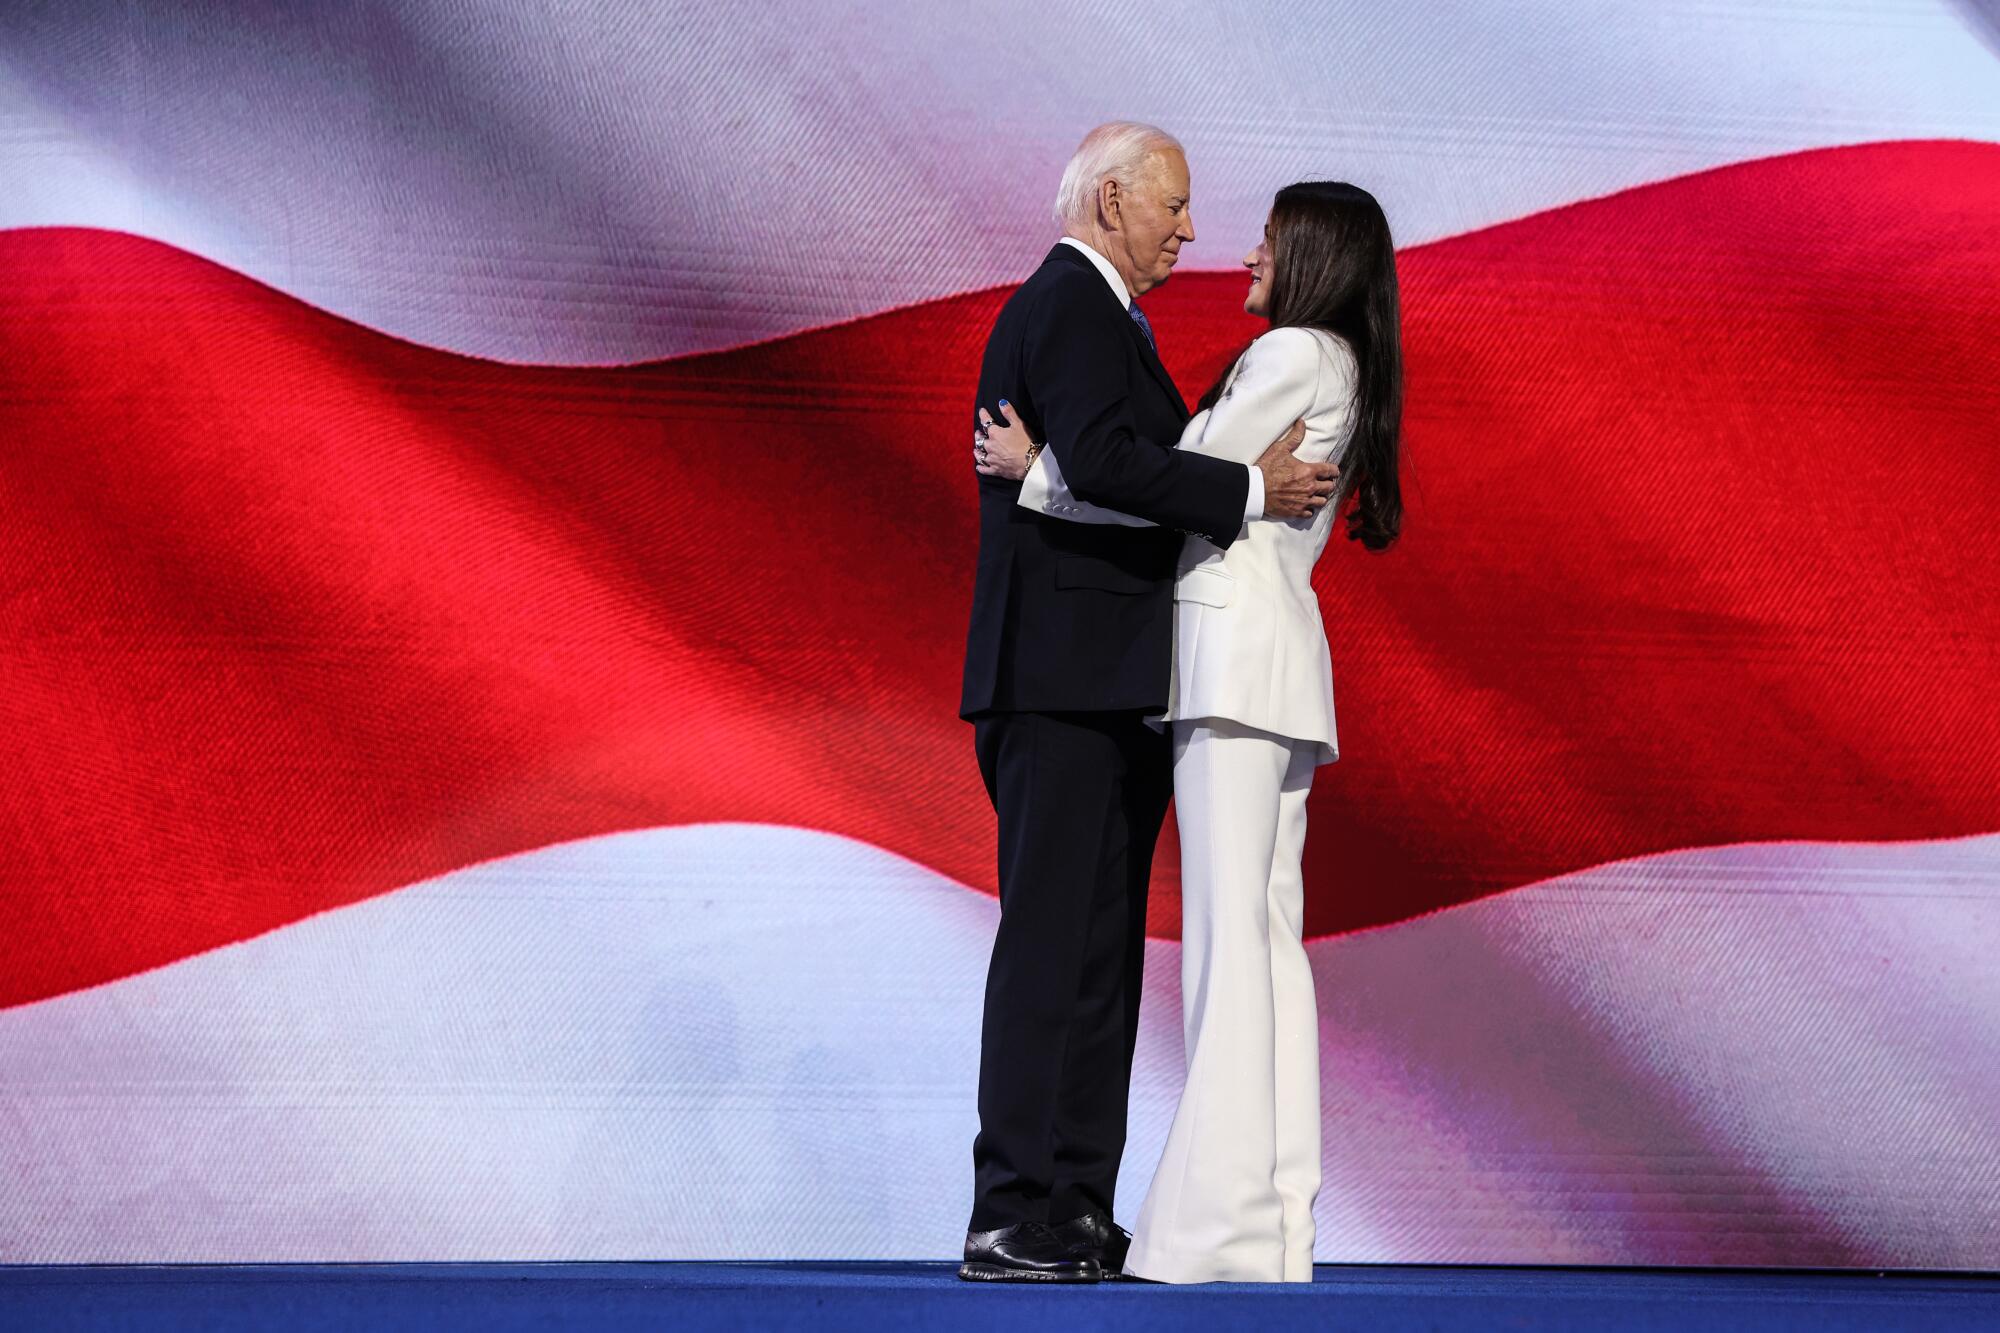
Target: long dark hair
[{"x": 1334, "y": 268}]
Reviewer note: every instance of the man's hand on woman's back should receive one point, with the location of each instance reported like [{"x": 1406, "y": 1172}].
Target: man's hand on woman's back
[{"x": 1293, "y": 489}]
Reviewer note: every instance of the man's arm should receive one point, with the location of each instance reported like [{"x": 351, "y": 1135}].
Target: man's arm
[
  {"x": 1075, "y": 352},
  {"x": 1076, "y": 362},
  {"x": 1046, "y": 491}
]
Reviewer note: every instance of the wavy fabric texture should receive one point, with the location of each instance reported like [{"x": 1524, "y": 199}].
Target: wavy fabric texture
[
  {"x": 485, "y": 561},
  {"x": 298, "y": 614},
  {"x": 602, "y": 181},
  {"x": 640, "y": 1047}
]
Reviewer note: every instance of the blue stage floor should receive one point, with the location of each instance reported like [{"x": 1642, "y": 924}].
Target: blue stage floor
[{"x": 302, "y": 1298}]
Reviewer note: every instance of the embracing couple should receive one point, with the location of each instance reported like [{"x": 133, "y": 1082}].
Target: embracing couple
[{"x": 1144, "y": 626}]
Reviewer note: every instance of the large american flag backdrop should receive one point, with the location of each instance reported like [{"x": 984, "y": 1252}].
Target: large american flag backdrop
[{"x": 485, "y": 543}]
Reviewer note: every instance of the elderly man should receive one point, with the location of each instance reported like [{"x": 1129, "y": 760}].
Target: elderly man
[{"x": 1067, "y": 654}]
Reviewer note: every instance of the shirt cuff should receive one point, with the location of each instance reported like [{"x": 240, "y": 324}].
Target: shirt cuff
[{"x": 1253, "y": 508}]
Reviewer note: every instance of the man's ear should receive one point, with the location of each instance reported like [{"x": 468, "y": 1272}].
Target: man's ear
[{"x": 1110, "y": 198}]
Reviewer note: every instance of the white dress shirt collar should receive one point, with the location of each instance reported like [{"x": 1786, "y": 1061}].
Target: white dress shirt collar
[{"x": 1103, "y": 266}]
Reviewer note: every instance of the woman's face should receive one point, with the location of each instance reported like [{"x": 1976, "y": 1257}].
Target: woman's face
[{"x": 1258, "y": 261}]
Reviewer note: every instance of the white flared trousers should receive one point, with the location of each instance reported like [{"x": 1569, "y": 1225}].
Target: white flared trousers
[{"x": 1233, "y": 1196}]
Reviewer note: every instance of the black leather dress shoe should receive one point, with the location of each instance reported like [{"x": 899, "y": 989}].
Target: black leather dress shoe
[
  {"x": 1025, "y": 1252},
  {"x": 1096, "y": 1236}
]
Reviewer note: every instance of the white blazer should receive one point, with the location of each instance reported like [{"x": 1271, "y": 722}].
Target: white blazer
[{"x": 1249, "y": 646}]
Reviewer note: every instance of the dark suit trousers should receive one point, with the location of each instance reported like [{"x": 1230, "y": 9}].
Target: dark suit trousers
[{"x": 1080, "y": 799}]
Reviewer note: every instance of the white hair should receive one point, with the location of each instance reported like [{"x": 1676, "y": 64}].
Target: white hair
[{"x": 1113, "y": 151}]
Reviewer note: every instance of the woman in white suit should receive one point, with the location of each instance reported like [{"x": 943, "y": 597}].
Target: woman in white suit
[{"x": 1251, "y": 712}]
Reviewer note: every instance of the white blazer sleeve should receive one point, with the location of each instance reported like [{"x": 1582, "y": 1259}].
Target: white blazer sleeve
[
  {"x": 1274, "y": 385},
  {"x": 1044, "y": 491}
]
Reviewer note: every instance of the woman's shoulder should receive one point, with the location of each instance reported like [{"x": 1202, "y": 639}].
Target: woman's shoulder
[
  {"x": 1289, "y": 345},
  {"x": 1299, "y": 356},
  {"x": 1298, "y": 350}
]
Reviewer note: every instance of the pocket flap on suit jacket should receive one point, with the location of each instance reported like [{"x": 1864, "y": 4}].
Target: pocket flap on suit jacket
[
  {"x": 1210, "y": 587},
  {"x": 1082, "y": 571}
]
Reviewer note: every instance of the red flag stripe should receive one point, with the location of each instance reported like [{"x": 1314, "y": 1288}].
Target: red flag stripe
[{"x": 292, "y": 613}]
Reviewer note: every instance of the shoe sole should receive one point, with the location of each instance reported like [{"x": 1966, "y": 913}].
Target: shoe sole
[{"x": 999, "y": 1273}]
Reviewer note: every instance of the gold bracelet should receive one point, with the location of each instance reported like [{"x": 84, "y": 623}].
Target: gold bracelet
[{"x": 1033, "y": 450}]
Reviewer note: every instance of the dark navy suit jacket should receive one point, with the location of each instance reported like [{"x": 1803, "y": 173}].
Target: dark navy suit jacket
[{"x": 1079, "y": 616}]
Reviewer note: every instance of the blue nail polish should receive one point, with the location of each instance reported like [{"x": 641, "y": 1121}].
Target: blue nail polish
[{"x": 1003, "y": 402}]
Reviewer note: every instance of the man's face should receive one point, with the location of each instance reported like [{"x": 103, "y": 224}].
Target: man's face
[{"x": 1153, "y": 221}]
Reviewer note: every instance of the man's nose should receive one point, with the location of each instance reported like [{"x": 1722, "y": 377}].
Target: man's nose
[{"x": 1186, "y": 230}]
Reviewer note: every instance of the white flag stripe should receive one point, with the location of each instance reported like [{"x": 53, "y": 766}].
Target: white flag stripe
[
  {"x": 609, "y": 181},
  {"x": 742, "y": 1041}
]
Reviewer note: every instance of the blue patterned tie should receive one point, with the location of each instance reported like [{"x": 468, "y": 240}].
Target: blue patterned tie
[{"x": 1139, "y": 318}]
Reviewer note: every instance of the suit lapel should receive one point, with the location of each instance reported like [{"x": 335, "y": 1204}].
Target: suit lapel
[
  {"x": 1068, "y": 254},
  {"x": 1159, "y": 371}
]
